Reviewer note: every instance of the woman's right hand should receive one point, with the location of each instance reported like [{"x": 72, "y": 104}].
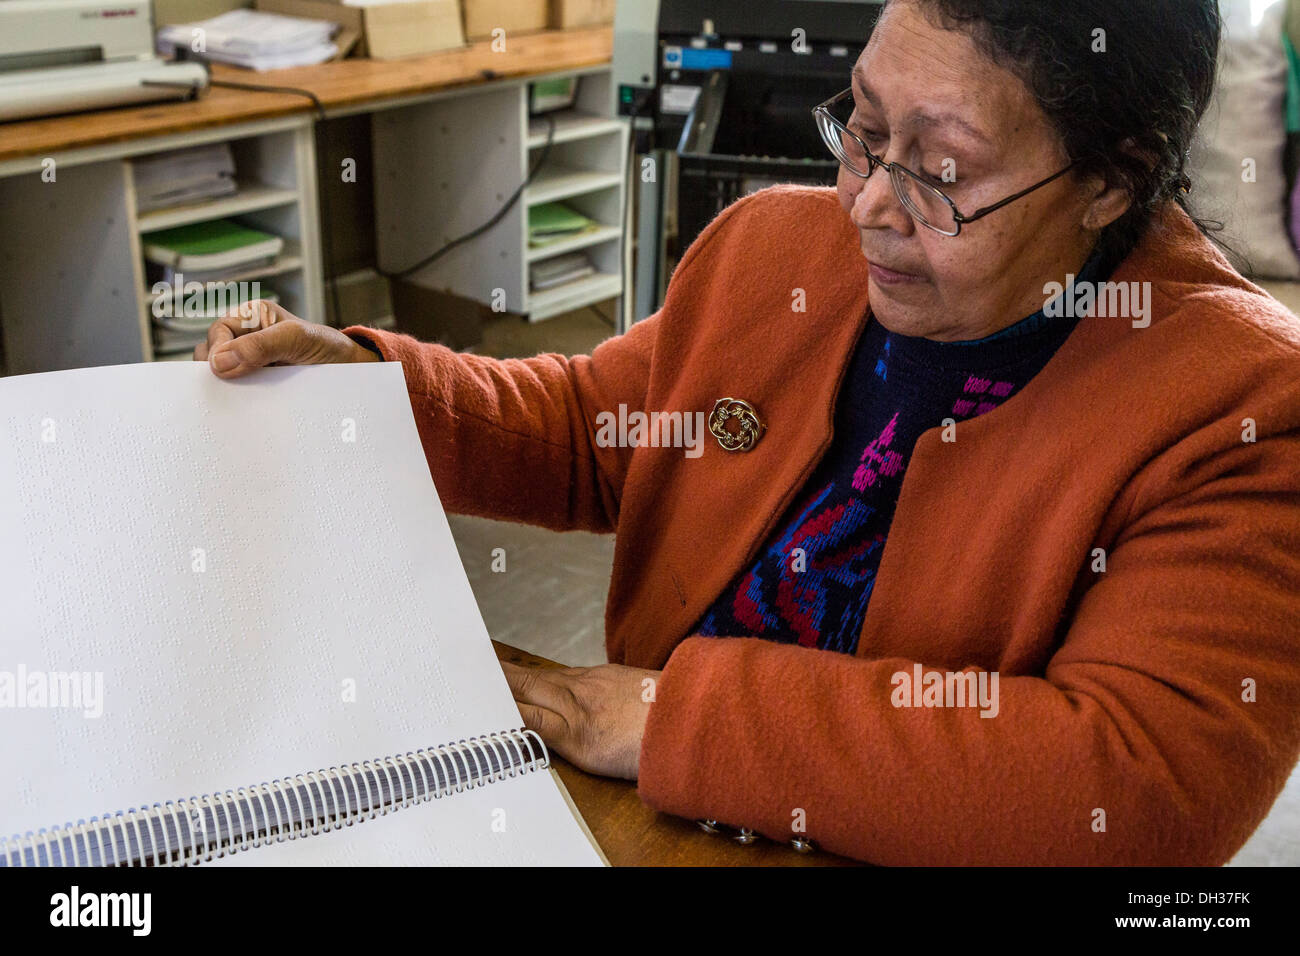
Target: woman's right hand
[{"x": 261, "y": 333}]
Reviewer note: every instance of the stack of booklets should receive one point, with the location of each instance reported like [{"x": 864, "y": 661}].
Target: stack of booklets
[
  {"x": 254, "y": 39},
  {"x": 184, "y": 176},
  {"x": 558, "y": 270},
  {"x": 209, "y": 251},
  {"x": 553, "y": 221},
  {"x": 251, "y": 669}
]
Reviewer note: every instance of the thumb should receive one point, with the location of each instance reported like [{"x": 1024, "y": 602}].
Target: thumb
[{"x": 281, "y": 342}]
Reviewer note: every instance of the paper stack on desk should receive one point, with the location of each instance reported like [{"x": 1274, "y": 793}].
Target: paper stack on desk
[
  {"x": 253, "y": 39},
  {"x": 248, "y": 591}
]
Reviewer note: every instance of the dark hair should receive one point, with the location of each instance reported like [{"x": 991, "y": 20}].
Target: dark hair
[{"x": 1127, "y": 114}]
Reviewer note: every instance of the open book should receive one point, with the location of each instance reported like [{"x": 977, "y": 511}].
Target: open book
[{"x": 235, "y": 620}]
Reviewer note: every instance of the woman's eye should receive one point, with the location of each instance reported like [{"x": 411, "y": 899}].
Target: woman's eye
[{"x": 946, "y": 178}]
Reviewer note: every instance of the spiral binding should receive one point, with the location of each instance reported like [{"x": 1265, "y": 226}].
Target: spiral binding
[{"x": 198, "y": 830}]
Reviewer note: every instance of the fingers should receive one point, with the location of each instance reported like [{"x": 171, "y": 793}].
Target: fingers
[
  {"x": 233, "y": 357},
  {"x": 247, "y": 318},
  {"x": 548, "y": 725},
  {"x": 545, "y": 706},
  {"x": 543, "y": 688}
]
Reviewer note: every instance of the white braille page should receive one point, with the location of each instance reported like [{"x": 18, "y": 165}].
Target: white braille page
[{"x": 263, "y": 575}]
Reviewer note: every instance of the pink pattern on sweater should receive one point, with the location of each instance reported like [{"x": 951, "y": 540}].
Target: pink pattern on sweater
[{"x": 887, "y": 463}]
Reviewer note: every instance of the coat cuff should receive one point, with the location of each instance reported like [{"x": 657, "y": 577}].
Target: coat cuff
[
  {"x": 365, "y": 342},
  {"x": 695, "y": 755},
  {"x": 417, "y": 358}
]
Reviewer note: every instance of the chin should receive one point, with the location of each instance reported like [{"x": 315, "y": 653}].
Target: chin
[
  {"x": 895, "y": 313},
  {"x": 895, "y": 320}
]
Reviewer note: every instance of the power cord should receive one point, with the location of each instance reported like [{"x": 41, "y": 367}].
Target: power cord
[{"x": 501, "y": 213}]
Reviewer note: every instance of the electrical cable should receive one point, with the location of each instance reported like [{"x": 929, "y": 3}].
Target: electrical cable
[{"x": 501, "y": 213}]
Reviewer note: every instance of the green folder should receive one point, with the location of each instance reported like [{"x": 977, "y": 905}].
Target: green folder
[
  {"x": 553, "y": 220},
  {"x": 214, "y": 244}
]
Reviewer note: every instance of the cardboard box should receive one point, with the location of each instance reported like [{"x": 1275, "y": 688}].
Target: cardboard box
[
  {"x": 513, "y": 16},
  {"x": 383, "y": 31},
  {"x": 581, "y": 13},
  {"x": 365, "y": 298}
]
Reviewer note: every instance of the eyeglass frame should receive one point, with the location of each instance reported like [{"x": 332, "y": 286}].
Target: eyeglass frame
[{"x": 873, "y": 160}]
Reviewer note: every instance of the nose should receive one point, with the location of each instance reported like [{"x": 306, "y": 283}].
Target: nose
[{"x": 876, "y": 205}]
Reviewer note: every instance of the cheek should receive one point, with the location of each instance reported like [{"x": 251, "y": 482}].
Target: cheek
[
  {"x": 953, "y": 263},
  {"x": 848, "y": 186}
]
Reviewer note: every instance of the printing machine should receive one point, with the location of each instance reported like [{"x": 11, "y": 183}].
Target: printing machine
[
  {"x": 64, "y": 56},
  {"x": 720, "y": 94}
]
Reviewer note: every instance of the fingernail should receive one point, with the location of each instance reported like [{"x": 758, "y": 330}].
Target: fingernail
[{"x": 225, "y": 361}]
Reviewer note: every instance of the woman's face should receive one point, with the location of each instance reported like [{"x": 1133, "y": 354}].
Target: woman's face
[{"x": 928, "y": 99}]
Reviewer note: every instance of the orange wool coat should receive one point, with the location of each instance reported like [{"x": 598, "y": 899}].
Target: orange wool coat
[{"x": 1148, "y": 713}]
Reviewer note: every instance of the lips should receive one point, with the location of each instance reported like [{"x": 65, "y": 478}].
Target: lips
[
  {"x": 886, "y": 271},
  {"x": 895, "y": 273},
  {"x": 884, "y": 275}
]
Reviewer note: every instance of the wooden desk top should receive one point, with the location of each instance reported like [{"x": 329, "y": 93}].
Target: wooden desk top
[
  {"x": 631, "y": 834},
  {"x": 342, "y": 84}
]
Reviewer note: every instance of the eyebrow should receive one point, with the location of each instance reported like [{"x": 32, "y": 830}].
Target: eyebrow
[{"x": 921, "y": 117}]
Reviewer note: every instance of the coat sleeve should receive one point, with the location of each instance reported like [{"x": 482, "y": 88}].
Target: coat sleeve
[
  {"x": 515, "y": 439},
  {"x": 1161, "y": 731}
]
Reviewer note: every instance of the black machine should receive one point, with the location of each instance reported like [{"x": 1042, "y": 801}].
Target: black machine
[{"x": 721, "y": 93}]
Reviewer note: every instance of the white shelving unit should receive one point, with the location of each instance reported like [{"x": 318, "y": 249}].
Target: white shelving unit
[
  {"x": 276, "y": 195},
  {"x": 479, "y": 144},
  {"x": 73, "y": 291}
]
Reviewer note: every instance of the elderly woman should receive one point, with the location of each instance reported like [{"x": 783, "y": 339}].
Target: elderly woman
[{"x": 996, "y": 557}]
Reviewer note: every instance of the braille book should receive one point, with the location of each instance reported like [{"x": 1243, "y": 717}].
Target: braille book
[{"x": 236, "y": 624}]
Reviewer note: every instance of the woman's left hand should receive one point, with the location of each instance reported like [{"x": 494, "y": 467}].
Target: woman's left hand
[{"x": 593, "y": 717}]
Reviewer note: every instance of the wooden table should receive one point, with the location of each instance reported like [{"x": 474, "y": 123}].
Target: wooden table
[
  {"x": 342, "y": 87},
  {"x": 631, "y": 834}
]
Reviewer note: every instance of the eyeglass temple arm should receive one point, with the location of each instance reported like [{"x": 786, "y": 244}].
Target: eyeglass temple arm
[{"x": 979, "y": 214}]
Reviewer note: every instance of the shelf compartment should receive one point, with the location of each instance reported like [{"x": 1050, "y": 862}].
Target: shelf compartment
[
  {"x": 571, "y": 125},
  {"x": 289, "y": 260},
  {"x": 574, "y": 295},
  {"x": 573, "y": 243},
  {"x": 251, "y": 197},
  {"x": 563, "y": 182}
]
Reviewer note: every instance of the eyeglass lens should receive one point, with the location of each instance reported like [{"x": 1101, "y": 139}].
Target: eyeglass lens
[{"x": 921, "y": 199}]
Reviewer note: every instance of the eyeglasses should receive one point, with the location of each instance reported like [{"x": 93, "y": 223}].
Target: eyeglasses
[{"x": 926, "y": 202}]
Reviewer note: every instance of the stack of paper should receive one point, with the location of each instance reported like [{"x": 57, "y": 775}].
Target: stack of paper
[
  {"x": 184, "y": 176},
  {"x": 253, "y": 39},
  {"x": 558, "y": 270}
]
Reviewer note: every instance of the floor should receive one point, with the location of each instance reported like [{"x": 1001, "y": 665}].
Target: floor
[{"x": 550, "y": 598}]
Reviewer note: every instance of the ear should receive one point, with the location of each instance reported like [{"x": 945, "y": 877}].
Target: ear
[{"x": 1108, "y": 204}]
